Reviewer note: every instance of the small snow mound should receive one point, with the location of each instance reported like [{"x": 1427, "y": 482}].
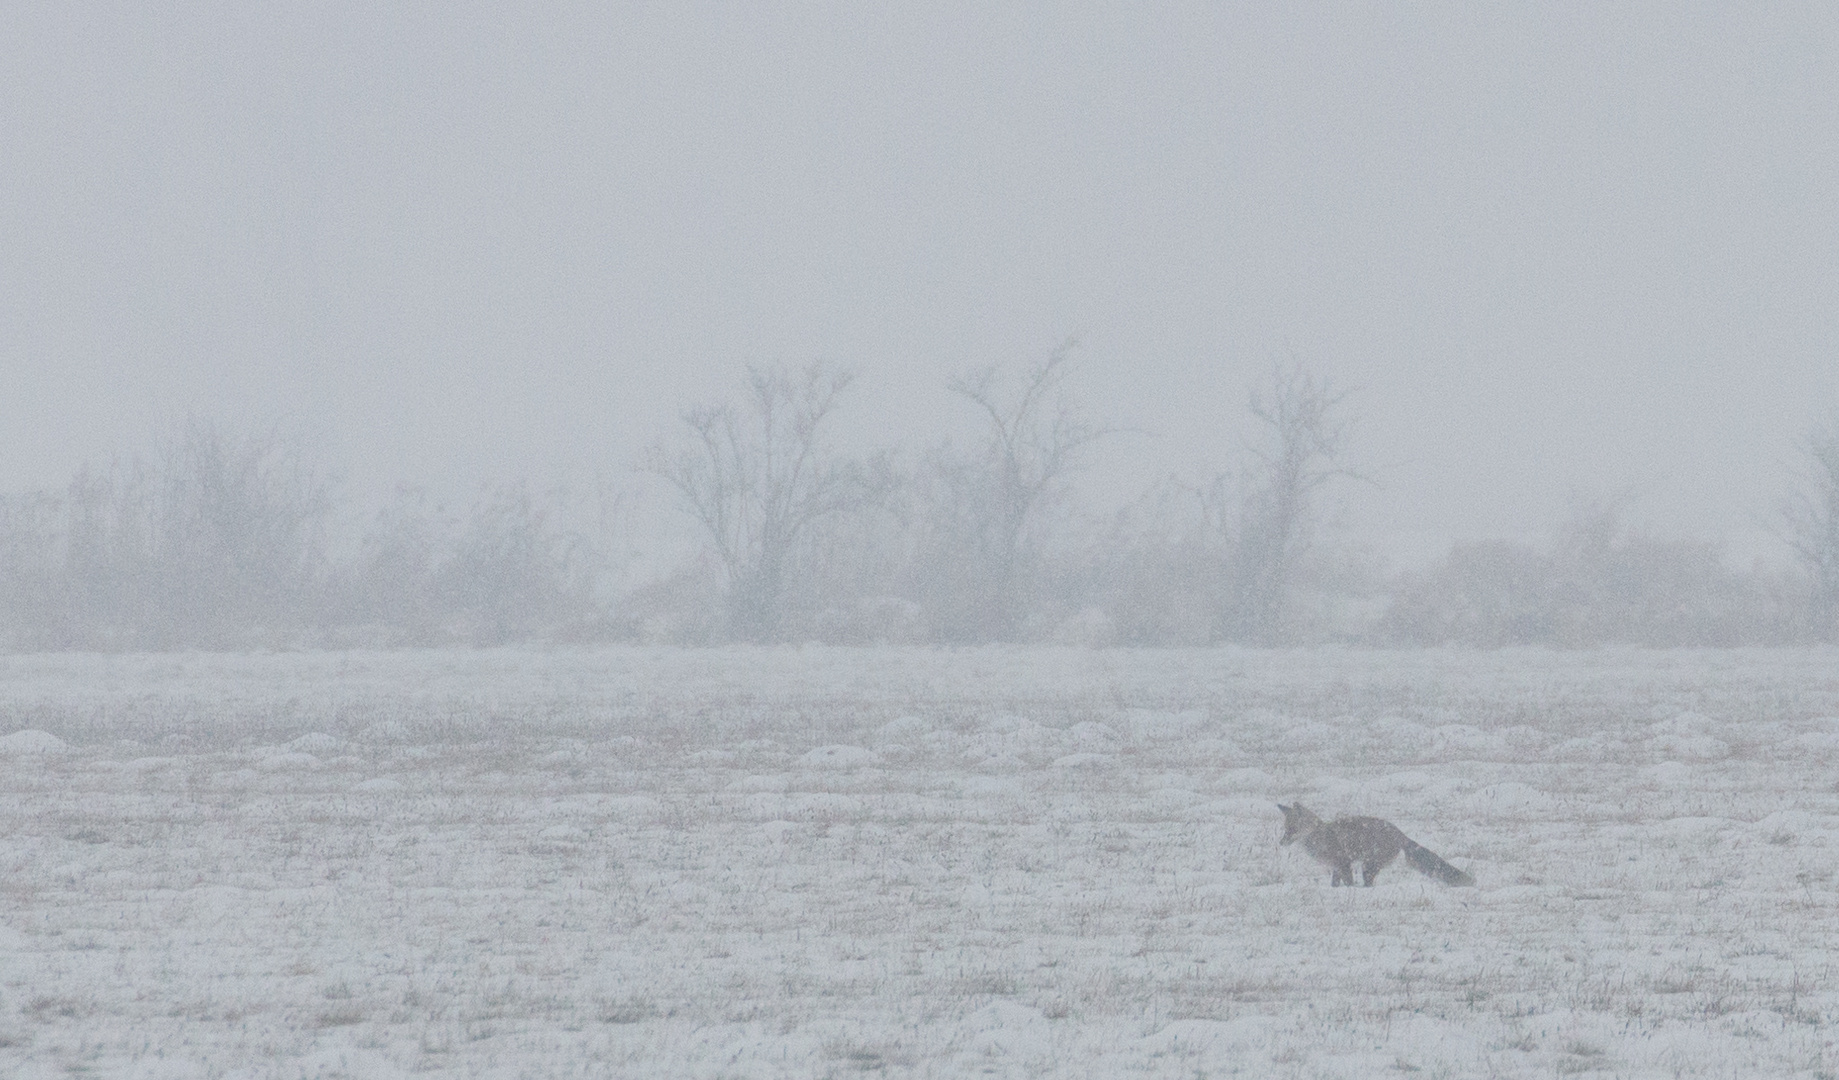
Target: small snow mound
[
  {"x": 634, "y": 807},
  {"x": 1686, "y": 723},
  {"x": 1405, "y": 781},
  {"x": 1667, "y": 774},
  {"x": 1172, "y": 801},
  {"x": 287, "y": 762},
  {"x": 1246, "y": 808},
  {"x": 1246, "y": 780},
  {"x": 1211, "y": 751},
  {"x": 905, "y": 727},
  {"x": 1084, "y": 761},
  {"x": 1342, "y": 791},
  {"x": 1004, "y": 1014},
  {"x": 317, "y": 743},
  {"x": 1005, "y": 723},
  {"x": 1696, "y": 747},
  {"x": 563, "y": 833},
  {"x": 839, "y": 757},
  {"x": 1309, "y": 734},
  {"x": 1694, "y": 826},
  {"x": 380, "y": 785},
  {"x": 995, "y": 763},
  {"x": 1092, "y": 733},
  {"x": 1687, "y": 735},
  {"x": 1586, "y": 746},
  {"x": 32, "y": 741},
  {"x": 1784, "y": 823},
  {"x": 1006, "y": 1028},
  {"x": 387, "y": 731},
  {"x": 1007, "y": 738},
  {"x": 1394, "y": 726},
  {"x": 1157, "y": 724},
  {"x": 757, "y": 782},
  {"x": 1468, "y": 739},
  {"x": 339, "y": 1061},
  {"x": 821, "y": 805},
  {"x": 985, "y": 787},
  {"x": 1509, "y": 797}
]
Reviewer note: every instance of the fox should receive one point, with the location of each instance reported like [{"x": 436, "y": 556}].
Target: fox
[{"x": 1372, "y": 842}]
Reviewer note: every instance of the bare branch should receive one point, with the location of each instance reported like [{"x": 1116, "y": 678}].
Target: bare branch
[
  {"x": 1306, "y": 443},
  {"x": 1809, "y": 524},
  {"x": 1035, "y": 436},
  {"x": 758, "y": 478}
]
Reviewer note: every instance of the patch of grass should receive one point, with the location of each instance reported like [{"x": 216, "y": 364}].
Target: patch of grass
[
  {"x": 47, "y": 1008},
  {"x": 631, "y": 1010},
  {"x": 991, "y": 984},
  {"x": 868, "y": 1057},
  {"x": 1676, "y": 984},
  {"x": 341, "y": 1016}
]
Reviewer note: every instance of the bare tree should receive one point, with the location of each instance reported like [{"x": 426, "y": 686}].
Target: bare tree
[
  {"x": 514, "y": 572},
  {"x": 109, "y": 570},
  {"x": 986, "y": 504},
  {"x": 1303, "y": 449},
  {"x": 238, "y": 538},
  {"x": 1810, "y": 520},
  {"x": 518, "y": 565},
  {"x": 758, "y": 476},
  {"x": 35, "y": 608},
  {"x": 1157, "y": 570},
  {"x": 218, "y": 541}
]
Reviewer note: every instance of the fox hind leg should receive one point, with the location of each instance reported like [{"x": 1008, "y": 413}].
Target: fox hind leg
[{"x": 1370, "y": 868}]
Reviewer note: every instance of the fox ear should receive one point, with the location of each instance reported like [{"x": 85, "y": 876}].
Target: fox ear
[{"x": 1282, "y": 807}]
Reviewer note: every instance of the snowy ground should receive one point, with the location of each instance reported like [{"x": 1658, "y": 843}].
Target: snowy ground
[{"x": 906, "y": 862}]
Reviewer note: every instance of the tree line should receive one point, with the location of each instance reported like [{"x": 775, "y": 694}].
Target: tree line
[{"x": 228, "y": 540}]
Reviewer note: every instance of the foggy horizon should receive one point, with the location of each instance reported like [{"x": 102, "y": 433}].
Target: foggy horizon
[{"x": 1592, "y": 251}]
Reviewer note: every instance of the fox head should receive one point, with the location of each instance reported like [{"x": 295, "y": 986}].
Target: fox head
[{"x": 1298, "y": 821}]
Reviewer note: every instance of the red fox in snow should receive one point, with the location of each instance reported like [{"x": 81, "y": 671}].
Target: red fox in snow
[{"x": 1369, "y": 841}]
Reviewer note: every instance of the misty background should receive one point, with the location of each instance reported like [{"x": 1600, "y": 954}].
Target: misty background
[{"x": 327, "y": 324}]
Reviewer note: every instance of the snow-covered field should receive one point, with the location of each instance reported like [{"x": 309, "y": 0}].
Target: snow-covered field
[{"x": 814, "y": 862}]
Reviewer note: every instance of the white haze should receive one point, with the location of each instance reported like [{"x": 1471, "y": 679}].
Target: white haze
[{"x": 1556, "y": 247}]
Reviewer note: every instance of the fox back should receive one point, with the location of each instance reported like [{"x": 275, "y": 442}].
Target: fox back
[{"x": 1371, "y": 842}]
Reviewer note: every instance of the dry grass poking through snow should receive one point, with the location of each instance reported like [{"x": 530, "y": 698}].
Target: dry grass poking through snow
[{"x": 817, "y": 862}]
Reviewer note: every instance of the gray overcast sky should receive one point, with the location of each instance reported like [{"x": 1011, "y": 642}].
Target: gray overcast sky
[{"x": 1555, "y": 246}]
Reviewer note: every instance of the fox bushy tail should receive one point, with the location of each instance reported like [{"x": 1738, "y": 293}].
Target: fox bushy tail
[{"x": 1426, "y": 861}]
